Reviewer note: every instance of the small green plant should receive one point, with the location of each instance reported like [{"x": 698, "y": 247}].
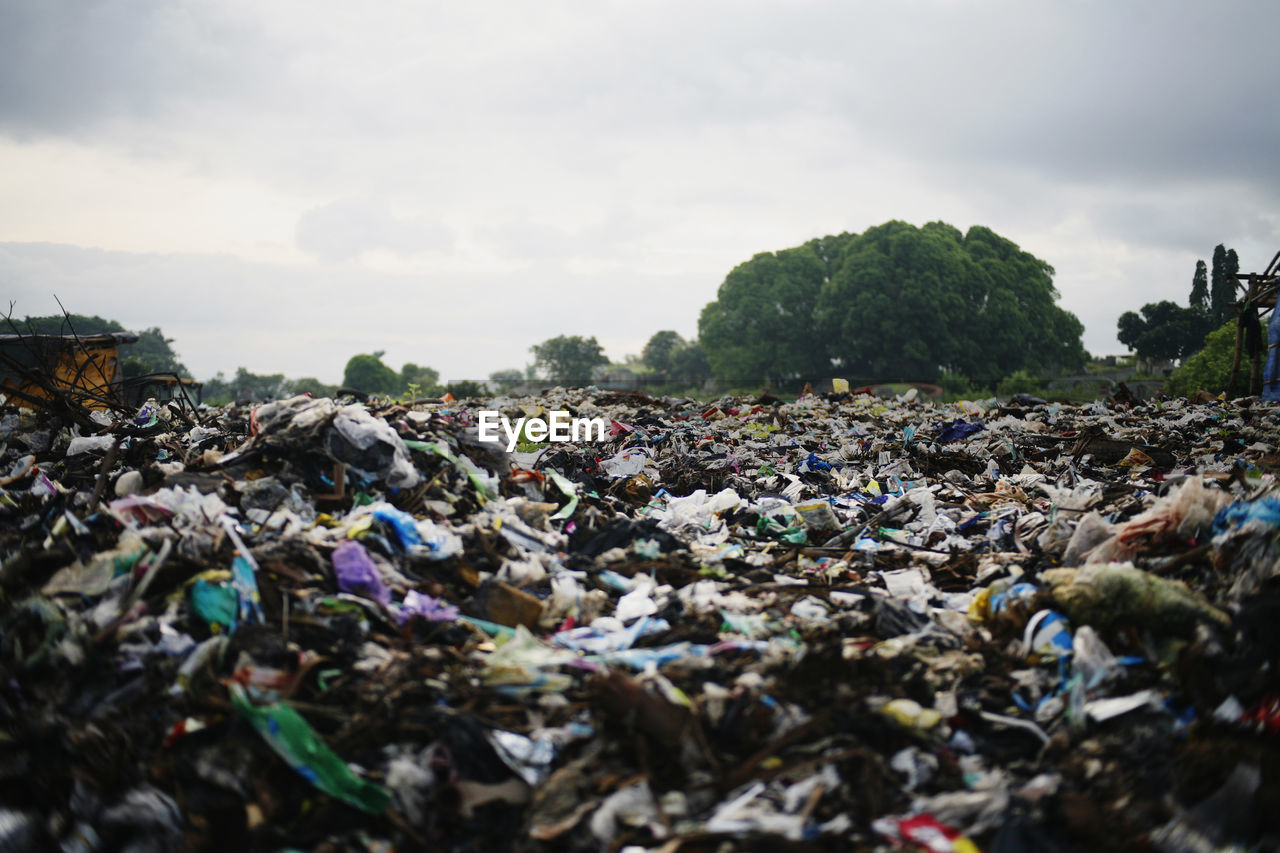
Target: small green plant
[
  {"x": 955, "y": 386},
  {"x": 1020, "y": 382}
]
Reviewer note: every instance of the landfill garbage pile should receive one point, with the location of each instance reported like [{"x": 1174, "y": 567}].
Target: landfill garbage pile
[{"x": 836, "y": 623}]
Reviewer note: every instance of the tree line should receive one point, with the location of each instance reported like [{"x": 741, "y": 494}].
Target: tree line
[
  {"x": 896, "y": 301},
  {"x": 1167, "y": 331},
  {"x": 1201, "y": 335}
]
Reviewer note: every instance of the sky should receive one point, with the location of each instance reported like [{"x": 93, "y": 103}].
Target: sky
[{"x": 282, "y": 185}]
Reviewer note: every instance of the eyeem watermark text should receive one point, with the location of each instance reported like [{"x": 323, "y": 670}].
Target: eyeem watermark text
[{"x": 558, "y": 426}]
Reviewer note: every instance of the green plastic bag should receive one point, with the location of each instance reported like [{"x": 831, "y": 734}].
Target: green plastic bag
[{"x": 286, "y": 732}]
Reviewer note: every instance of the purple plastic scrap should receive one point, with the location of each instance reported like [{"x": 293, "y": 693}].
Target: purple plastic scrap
[{"x": 357, "y": 574}]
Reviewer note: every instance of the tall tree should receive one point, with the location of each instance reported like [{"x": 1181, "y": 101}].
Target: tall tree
[
  {"x": 897, "y": 301},
  {"x": 1200, "y": 287},
  {"x": 1222, "y": 287},
  {"x": 568, "y": 360}
]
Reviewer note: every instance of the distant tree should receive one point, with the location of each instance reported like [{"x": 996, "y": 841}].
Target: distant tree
[
  {"x": 657, "y": 352},
  {"x": 152, "y": 353},
  {"x": 426, "y": 379},
  {"x": 465, "y": 388},
  {"x": 568, "y": 360},
  {"x": 505, "y": 380},
  {"x": 1200, "y": 287},
  {"x": 1164, "y": 331},
  {"x": 68, "y": 324},
  {"x": 689, "y": 363},
  {"x": 309, "y": 385},
  {"x": 216, "y": 391},
  {"x": 247, "y": 387},
  {"x": 367, "y": 373}
]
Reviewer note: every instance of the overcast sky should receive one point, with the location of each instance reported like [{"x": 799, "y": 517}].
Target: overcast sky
[{"x": 282, "y": 185}]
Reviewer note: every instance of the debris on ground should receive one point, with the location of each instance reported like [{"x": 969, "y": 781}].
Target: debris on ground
[{"x": 837, "y": 623}]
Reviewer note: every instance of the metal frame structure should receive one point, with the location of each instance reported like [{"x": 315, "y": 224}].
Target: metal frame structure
[{"x": 1259, "y": 300}]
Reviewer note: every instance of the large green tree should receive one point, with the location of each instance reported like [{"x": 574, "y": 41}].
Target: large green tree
[
  {"x": 760, "y": 327},
  {"x": 894, "y": 302},
  {"x": 567, "y": 360}
]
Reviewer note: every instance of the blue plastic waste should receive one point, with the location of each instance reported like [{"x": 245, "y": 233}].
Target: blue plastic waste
[{"x": 957, "y": 430}]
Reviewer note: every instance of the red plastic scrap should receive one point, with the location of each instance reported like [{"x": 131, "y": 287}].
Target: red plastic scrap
[
  {"x": 924, "y": 831},
  {"x": 1265, "y": 714}
]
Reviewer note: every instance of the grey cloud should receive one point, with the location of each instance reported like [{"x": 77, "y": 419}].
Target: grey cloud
[
  {"x": 345, "y": 228},
  {"x": 1117, "y": 92},
  {"x": 1185, "y": 223},
  {"x": 66, "y": 66}
]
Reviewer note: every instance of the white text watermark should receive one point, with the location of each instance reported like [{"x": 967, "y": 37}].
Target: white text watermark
[{"x": 557, "y": 426}]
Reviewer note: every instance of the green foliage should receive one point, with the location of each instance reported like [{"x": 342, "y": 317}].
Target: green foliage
[
  {"x": 1222, "y": 287},
  {"x": 466, "y": 388},
  {"x": 689, "y": 363},
  {"x": 505, "y": 380},
  {"x": 895, "y": 301},
  {"x": 426, "y": 379},
  {"x": 568, "y": 360},
  {"x": 1164, "y": 331},
  {"x": 367, "y": 373},
  {"x": 657, "y": 352},
  {"x": 152, "y": 353},
  {"x": 955, "y": 386},
  {"x": 58, "y": 324},
  {"x": 1020, "y": 382},
  {"x": 1210, "y": 368},
  {"x": 761, "y": 325}
]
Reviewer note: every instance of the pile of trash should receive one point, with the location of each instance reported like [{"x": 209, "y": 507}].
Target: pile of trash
[{"x": 835, "y": 623}]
